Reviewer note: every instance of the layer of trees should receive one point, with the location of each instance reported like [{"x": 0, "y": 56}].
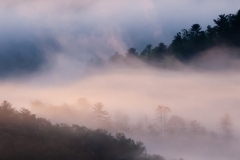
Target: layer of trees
[
  {"x": 165, "y": 124},
  {"x": 23, "y": 136},
  {"x": 190, "y": 43}
]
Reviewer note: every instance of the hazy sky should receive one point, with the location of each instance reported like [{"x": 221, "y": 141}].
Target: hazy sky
[
  {"x": 52, "y": 40},
  {"x": 59, "y": 36},
  {"x": 77, "y": 30}
]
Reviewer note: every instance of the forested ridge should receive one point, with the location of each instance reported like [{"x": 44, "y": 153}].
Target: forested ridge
[
  {"x": 191, "y": 43},
  {"x": 23, "y": 136}
]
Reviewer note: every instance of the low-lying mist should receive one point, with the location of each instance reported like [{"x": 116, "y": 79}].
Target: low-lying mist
[{"x": 130, "y": 97}]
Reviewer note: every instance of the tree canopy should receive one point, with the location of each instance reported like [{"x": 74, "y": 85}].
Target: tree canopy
[
  {"x": 24, "y": 136},
  {"x": 190, "y": 43}
]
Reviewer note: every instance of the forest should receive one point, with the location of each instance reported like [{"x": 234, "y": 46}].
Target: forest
[
  {"x": 160, "y": 126},
  {"x": 25, "y": 136},
  {"x": 189, "y": 44}
]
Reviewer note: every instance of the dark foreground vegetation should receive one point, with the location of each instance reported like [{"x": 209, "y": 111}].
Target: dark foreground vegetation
[{"x": 23, "y": 136}]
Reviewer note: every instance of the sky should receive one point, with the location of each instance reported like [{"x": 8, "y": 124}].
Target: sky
[
  {"x": 45, "y": 44},
  {"x": 35, "y": 34}
]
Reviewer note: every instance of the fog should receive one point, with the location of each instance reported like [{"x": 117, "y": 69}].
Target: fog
[
  {"x": 131, "y": 94},
  {"x": 45, "y": 47},
  {"x": 90, "y": 28}
]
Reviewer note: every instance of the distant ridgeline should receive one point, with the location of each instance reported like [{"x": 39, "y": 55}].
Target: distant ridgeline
[
  {"x": 190, "y": 43},
  {"x": 25, "y": 137}
]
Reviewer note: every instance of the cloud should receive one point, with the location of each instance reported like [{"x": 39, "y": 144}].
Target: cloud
[
  {"x": 136, "y": 92},
  {"x": 24, "y": 53},
  {"x": 139, "y": 21},
  {"x": 86, "y": 29},
  {"x": 55, "y": 38}
]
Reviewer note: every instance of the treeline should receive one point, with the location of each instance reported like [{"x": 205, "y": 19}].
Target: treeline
[
  {"x": 160, "y": 126},
  {"x": 188, "y": 43},
  {"x": 24, "y": 136}
]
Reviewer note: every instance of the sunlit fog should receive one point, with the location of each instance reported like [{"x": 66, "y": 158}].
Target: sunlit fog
[{"x": 124, "y": 67}]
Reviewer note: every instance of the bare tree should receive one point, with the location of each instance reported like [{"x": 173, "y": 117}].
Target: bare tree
[
  {"x": 159, "y": 112},
  {"x": 100, "y": 115},
  {"x": 161, "y": 116},
  {"x": 165, "y": 110},
  {"x": 226, "y": 126}
]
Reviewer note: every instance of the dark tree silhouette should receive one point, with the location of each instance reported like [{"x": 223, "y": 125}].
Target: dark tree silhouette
[
  {"x": 146, "y": 52},
  {"x": 235, "y": 29},
  {"x": 190, "y": 43},
  {"x": 211, "y": 34},
  {"x": 159, "y": 52},
  {"x": 223, "y": 27},
  {"x": 116, "y": 58},
  {"x": 132, "y": 52}
]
